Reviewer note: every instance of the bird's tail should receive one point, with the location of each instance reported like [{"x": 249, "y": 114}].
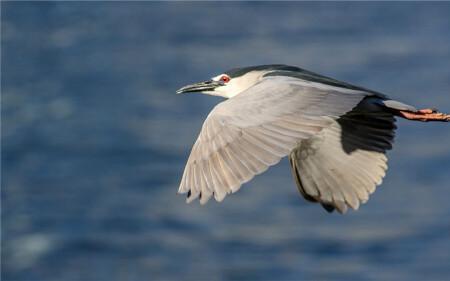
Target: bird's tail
[{"x": 411, "y": 113}]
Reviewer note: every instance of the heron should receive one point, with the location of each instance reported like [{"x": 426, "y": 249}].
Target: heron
[{"x": 335, "y": 134}]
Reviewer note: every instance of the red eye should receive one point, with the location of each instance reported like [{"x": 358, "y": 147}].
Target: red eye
[{"x": 225, "y": 79}]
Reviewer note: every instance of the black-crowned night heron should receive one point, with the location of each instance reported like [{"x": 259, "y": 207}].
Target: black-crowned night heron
[{"x": 335, "y": 134}]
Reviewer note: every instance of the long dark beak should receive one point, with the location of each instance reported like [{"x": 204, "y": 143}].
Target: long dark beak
[{"x": 200, "y": 87}]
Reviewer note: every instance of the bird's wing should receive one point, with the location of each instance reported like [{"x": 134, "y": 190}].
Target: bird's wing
[
  {"x": 246, "y": 134},
  {"x": 342, "y": 165}
]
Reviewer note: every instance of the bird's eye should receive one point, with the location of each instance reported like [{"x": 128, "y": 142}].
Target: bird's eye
[{"x": 225, "y": 79}]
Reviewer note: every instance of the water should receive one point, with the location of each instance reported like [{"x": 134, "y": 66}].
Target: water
[{"x": 94, "y": 141}]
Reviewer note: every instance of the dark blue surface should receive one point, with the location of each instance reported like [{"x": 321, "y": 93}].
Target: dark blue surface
[{"x": 94, "y": 141}]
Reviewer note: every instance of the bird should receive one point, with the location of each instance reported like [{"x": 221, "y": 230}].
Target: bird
[{"x": 335, "y": 134}]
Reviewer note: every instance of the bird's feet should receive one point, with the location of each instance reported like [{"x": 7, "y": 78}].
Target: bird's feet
[{"x": 425, "y": 115}]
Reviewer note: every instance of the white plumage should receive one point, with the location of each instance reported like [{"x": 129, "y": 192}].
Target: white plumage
[{"x": 335, "y": 134}]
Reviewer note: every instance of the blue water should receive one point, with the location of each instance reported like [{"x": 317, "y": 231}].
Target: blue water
[{"x": 94, "y": 142}]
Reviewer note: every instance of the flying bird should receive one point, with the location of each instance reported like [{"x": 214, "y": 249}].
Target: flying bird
[{"x": 335, "y": 134}]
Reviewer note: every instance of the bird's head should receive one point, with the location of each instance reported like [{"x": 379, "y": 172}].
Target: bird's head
[{"x": 232, "y": 82}]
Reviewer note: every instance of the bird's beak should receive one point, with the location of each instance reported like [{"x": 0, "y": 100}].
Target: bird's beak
[{"x": 201, "y": 87}]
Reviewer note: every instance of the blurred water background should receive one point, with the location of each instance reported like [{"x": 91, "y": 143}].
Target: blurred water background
[{"x": 94, "y": 141}]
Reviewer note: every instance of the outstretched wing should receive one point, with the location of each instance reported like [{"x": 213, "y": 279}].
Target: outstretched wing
[
  {"x": 246, "y": 134},
  {"x": 342, "y": 165}
]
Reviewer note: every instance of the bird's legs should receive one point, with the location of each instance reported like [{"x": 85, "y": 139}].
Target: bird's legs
[{"x": 424, "y": 115}]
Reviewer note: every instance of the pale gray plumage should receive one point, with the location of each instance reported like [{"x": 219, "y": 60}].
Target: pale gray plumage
[
  {"x": 336, "y": 135},
  {"x": 269, "y": 127},
  {"x": 342, "y": 165}
]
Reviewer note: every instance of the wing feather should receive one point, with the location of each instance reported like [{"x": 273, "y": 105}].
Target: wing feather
[{"x": 345, "y": 161}]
